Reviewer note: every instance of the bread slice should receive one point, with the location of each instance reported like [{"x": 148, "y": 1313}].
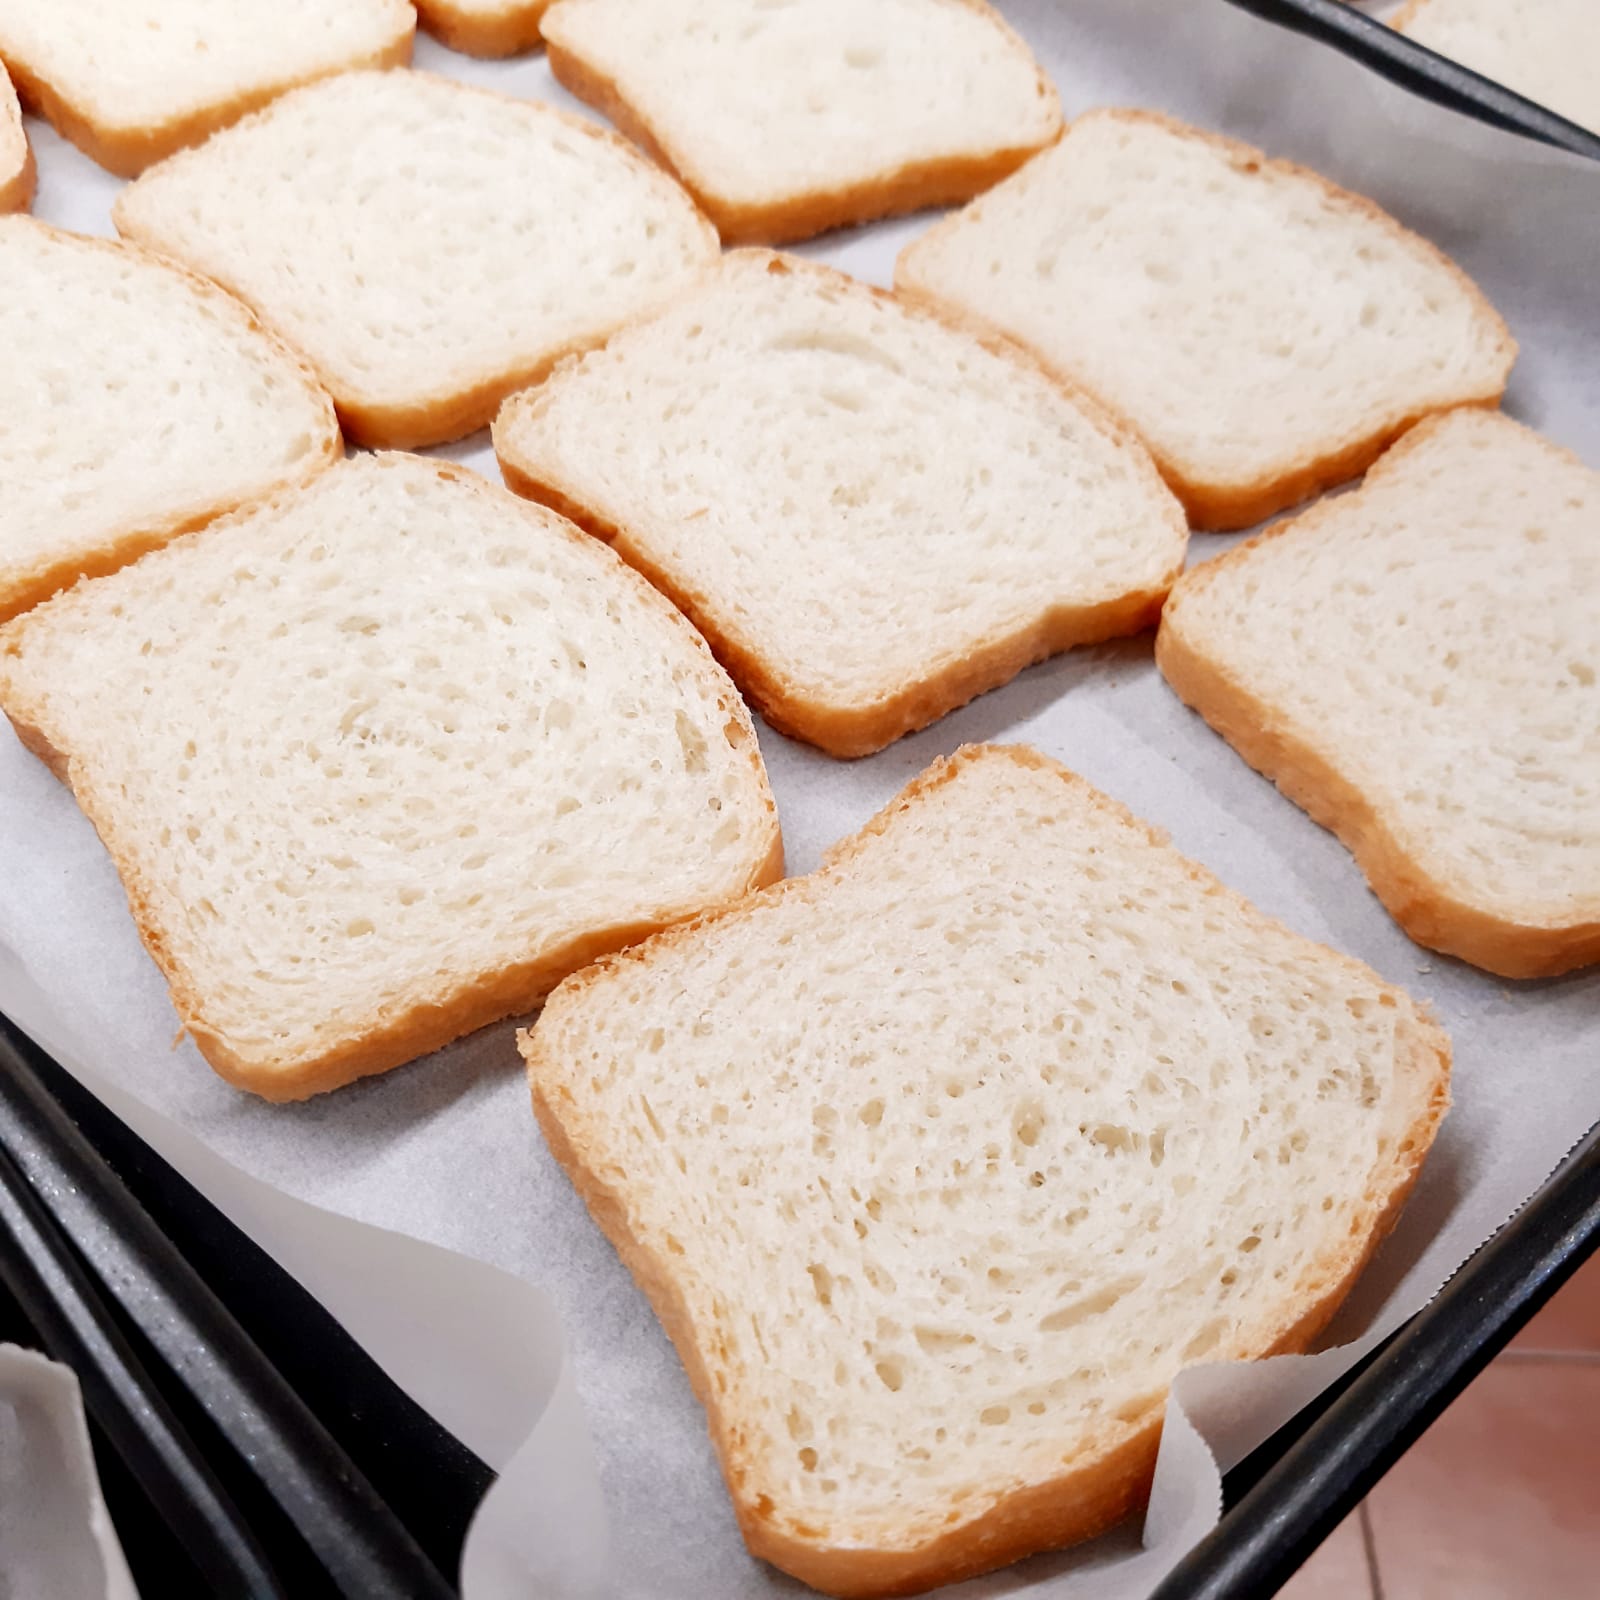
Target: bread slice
[
  {"x": 429, "y": 246},
  {"x": 1548, "y": 50},
  {"x": 16, "y": 154},
  {"x": 1265, "y": 332},
  {"x": 938, "y": 1165},
  {"x": 785, "y": 120},
  {"x": 871, "y": 514},
  {"x": 1416, "y": 665},
  {"x": 383, "y": 758},
  {"x": 484, "y": 27},
  {"x": 130, "y": 81},
  {"x": 137, "y": 402}
]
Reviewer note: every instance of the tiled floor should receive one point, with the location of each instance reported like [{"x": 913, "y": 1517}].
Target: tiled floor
[{"x": 1500, "y": 1499}]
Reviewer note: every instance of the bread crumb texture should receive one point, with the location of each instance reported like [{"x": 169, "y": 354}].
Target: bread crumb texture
[
  {"x": 130, "y": 81},
  {"x": 384, "y": 758},
  {"x": 136, "y": 401},
  {"x": 1265, "y": 332},
  {"x": 1418, "y": 663},
  {"x": 941, "y": 1163},
  {"x": 429, "y": 246},
  {"x": 824, "y": 112},
  {"x": 872, "y": 514}
]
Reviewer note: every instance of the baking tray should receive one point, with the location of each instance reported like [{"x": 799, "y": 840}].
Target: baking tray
[
  {"x": 428, "y": 1480},
  {"x": 1424, "y": 72},
  {"x": 1282, "y": 1500}
]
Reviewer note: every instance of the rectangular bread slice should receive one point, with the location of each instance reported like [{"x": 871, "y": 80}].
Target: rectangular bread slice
[
  {"x": 940, "y": 1164},
  {"x": 1417, "y": 664},
  {"x": 130, "y": 81},
  {"x": 484, "y": 27},
  {"x": 384, "y": 758},
  {"x": 1548, "y": 50},
  {"x": 785, "y": 120},
  {"x": 16, "y": 154},
  {"x": 1266, "y": 333},
  {"x": 870, "y": 512},
  {"x": 428, "y": 246},
  {"x": 137, "y": 402}
]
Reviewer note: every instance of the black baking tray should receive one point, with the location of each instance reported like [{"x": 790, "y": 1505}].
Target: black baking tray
[
  {"x": 1415, "y": 67},
  {"x": 1281, "y": 1501}
]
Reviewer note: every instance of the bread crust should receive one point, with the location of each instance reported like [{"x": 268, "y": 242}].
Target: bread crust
[
  {"x": 127, "y": 149},
  {"x": 1112, "y": 1474},
  {"x": 424, "y": 1023},
  {"x": 442, "y": 417},
  {"x": 1434, "y": 912},
  {"x": 506, "y": 32},
  {"x": 1218, "y": 505},
  {"x": 911, "y": 186},
  {"x": 21, "y": 590},
  {"x": 17, "y": 171},
  {"x": 851, "y": 730},
  {"x": 1407, "y": 14}
]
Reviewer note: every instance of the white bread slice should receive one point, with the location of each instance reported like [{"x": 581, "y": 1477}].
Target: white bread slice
[
  {"x": 130, "y": 81},
  {"x": 939, "y": 1164},
  {"x": 1266, "y": 333},
  {"x": 484, "y": 27},
  {"x": 16, "y": 154},
  {"x": 137, "y": 402},
  {"x": 1548, "y": 50},
  {"x": 383, "y": 759},
  {"x": 872, "y": 514},
  {"x": 1417, "y": 664},
  {"x": 428, "y": 246},
  {"x": 785, "y": 120}
]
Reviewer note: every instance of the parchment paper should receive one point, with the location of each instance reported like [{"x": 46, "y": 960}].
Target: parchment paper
[
  {"x": 55, "y": 1534},
  {"x": 446, "y": 1151}
]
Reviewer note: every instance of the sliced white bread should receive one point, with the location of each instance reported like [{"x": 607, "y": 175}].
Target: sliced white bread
[
  {"x": 871, "y": 513},
  {"x": 383, "y": 759},
  {"x": 1417, "y": 664},
  {"x": 1266, "y": 333},
  {"x": 940, "y": 1164},
  {"x": 484, "y": 27},
  {"x": 130, "y": 81},
  {"x": 785, "y": 120},
  {"x": 428, "y": 246},
  {"x": 16, "y": 154},
  {"x": 1548, "y": 50},
  {"x": 137, "y": 402}
]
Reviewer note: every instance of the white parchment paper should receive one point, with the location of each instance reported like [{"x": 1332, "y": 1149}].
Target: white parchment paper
[
  {"x": 56, "y": 1537},
  {"x": 446, "y": 1151}
]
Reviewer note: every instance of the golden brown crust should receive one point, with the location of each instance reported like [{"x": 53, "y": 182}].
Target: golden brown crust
[
  {"x": 16, "y": 184},
  {"x": 1112, "y": 1476},
  {"x": 401, "y": 1033},
  {"x": 1219, "y": 506},
  {"x": 853, "y": 730},
  {"x": 913, "y": 186},
  {"x": 1432, "y": 911},
  {"x": 1407, "y": 14},
  {"x": 507, "y": 32},
  {"x": 22, "y": 590},
  {"x": 442, "y": 418},
  {"x": 127, "y": 151}
]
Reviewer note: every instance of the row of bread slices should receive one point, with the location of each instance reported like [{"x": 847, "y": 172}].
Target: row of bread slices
[
  {"x": 871, "y": 508},
  {"x": 783, "y": 119}
]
